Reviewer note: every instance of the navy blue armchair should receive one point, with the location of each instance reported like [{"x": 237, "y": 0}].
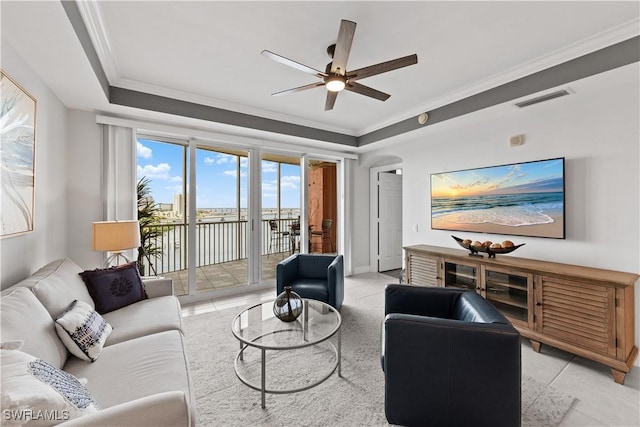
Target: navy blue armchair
[
  {"x": 319, "y": 277},
  {"x": 450, "y": 358}
]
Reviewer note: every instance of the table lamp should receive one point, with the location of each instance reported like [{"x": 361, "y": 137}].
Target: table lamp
[{"x": 115, "y": 237}]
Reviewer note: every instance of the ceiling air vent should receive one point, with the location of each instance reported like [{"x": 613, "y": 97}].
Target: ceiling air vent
[{"x": 542, "y": 98}]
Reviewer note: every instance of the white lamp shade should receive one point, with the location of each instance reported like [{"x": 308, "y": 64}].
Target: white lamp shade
[{"x": 114, "y": 236}]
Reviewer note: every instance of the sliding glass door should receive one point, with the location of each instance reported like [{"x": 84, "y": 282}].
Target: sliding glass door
[
  {"x": 220, "y": 218},
  {"x": 280, "y": 210},
  {"x": 201, "y": 226},
  {"x": 161, "y": 172}
]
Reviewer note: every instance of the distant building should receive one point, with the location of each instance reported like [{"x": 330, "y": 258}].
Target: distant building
[{"x": 178, "y": 205}]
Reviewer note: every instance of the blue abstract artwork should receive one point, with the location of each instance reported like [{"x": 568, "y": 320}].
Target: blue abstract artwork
[{"x": 17, "y": 157}]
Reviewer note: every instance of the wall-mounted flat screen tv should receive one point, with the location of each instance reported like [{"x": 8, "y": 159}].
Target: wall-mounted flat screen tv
[{"x": 520, "y": 199}]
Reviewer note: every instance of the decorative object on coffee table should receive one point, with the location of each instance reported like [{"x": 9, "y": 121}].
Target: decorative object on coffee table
[
  {"x": 488, "y": 247},
  {"x": 288, "y": 305}
]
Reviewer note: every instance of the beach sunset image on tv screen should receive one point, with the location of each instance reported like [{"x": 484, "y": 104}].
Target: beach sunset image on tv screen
[{"x": 524, "y": 199}]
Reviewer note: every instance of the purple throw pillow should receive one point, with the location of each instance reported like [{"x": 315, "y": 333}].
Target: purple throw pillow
[{"x": 115, "y": 287}]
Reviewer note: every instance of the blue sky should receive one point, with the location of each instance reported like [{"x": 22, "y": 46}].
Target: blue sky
[
  {"x": 540, "y": 176},
  {"x": 216, "y": 174}
]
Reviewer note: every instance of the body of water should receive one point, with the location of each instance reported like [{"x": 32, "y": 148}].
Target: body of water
[{"x": 503, "y": 209}]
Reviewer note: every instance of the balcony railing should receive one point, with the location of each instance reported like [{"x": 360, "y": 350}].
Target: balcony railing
[{"x": 216, "y": 242}]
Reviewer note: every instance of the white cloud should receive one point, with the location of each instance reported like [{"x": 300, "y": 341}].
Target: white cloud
[
  {"x": 209, "y": 160},
  {"x": 143, "y": 151},
  {"x": 176, "y": 179},
  {"x": 234, "y": 173},
  {"x": 224, "y": 158},
  {"x": 160, "y": 171},
  {"x": 290, "y": 182},
  {"x": 269, "y": 167},
  {"x": 244, "y": 162},
  {"x": 269, "y": 186}
]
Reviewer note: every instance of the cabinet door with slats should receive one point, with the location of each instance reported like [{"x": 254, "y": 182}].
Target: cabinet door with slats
[
  {"x": 577, "y": 312},
  {"x": 423, "y": 271}
]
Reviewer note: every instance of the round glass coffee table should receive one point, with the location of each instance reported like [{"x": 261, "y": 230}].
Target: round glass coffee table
[{"x": 259, "y": 328}]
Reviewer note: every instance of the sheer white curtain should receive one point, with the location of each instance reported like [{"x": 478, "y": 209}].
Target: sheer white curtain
[{"x": 119, "y": 177}]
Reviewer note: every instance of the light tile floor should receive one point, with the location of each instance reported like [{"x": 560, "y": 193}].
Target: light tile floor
[{"x": 599, "y": 400}]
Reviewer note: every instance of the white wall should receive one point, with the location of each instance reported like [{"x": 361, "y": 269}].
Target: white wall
[
  {"x": 596, "y": 130},
  {"x": 22, "y": 255},
  {"x": 597, "y": 133}
]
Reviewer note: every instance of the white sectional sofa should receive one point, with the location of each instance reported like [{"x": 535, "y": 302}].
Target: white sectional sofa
[{"x": 141, "y": 377}]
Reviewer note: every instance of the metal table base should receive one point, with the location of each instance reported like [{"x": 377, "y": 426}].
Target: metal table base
[{"x": 263, "y": 389}]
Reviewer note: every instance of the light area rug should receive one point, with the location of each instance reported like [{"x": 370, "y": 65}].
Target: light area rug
[{"x": 355, "y": 399}]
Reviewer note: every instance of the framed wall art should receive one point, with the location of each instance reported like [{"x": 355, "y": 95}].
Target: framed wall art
[
  {"x": 521, "y": 199},
  {"x": 17, "y": 157}
]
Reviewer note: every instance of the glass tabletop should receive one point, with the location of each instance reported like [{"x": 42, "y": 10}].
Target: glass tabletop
[{"x": 258, "y": 327}]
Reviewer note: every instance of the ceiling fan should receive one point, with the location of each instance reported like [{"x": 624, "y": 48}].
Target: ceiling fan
[{"x": 336, "y": 77}]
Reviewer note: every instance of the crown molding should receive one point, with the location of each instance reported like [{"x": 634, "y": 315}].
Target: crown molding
[
  {"x": 588, "y": 45},
  {"x": 92, "y": 17},
  {"x": 139, "y": 86}
]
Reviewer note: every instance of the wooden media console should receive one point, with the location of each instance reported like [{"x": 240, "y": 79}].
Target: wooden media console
[{"x": 585, "y": 311}]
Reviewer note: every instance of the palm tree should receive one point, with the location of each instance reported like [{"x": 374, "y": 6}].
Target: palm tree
[{"x": 147, "y": 217}]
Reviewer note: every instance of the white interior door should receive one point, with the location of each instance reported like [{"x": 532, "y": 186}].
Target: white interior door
[{"x": 389, "y": 221}]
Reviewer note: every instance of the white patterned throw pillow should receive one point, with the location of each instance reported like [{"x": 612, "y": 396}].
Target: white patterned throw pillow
[
  {"x": 35, "y": 393},
  {"x": 83, "y": 330}
]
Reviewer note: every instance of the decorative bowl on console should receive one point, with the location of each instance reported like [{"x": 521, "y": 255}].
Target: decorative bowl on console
[{"x": 474, "y": 247}]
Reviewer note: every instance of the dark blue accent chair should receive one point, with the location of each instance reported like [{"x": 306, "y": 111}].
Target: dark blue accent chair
[
  {"x": 319, "y": 277},
  {"x": 450, "y": 358}
]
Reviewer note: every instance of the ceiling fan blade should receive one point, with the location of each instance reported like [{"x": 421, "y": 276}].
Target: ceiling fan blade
[
  {"x": 293, "y": 64},
  {"x": 366, "y": 90},
  {"x": 343, "y": 47},
  {"x": 383, "y": 67},
  {"x": 298, "y": 89},
  {"x": 331, "y": 100}
]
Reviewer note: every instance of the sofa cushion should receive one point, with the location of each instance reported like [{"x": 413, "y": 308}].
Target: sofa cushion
[
  {"x": 24, "y": 318},
  {"x": 143, "y": 318},
  {"x": 136, "y": 368},
  {"x": 32, "y": 389},
  {"x": 83, "y": 331},
  {"x": 57, "y": 285},
  {"x": 115, "y": 287},
  {"x": 311, "y": 288}
]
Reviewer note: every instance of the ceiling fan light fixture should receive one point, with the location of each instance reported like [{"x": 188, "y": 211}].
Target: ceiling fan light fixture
[
  {"x": 335, "y": 84},
  {"x": 336, "y": 77}
]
